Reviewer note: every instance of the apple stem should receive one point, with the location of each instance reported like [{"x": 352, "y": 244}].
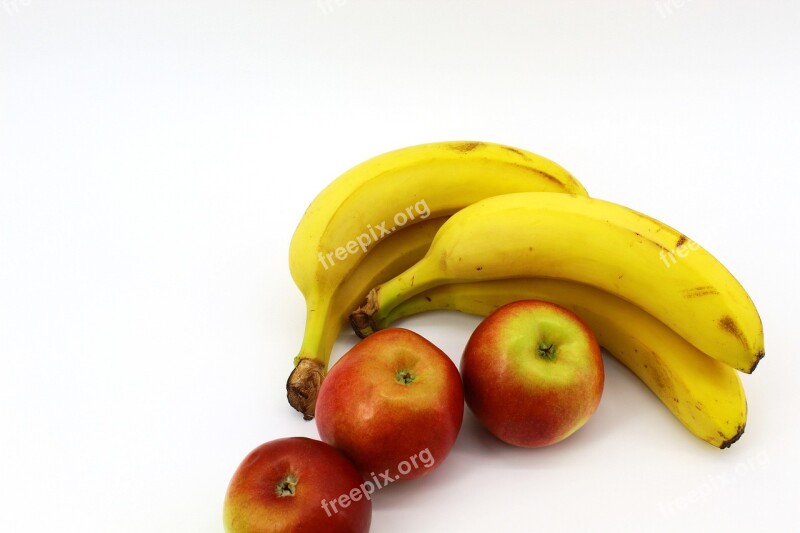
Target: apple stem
[
  {"x": 547, "y": 351},
  {"x": 287, "y": 486}
]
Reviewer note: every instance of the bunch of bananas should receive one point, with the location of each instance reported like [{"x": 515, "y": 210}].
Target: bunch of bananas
[{"x": 472, "y": 226}]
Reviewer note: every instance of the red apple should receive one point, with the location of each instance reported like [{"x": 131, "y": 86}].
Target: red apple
[
  {"x": 533, "y": 373},
  {"x": 393, "y": 404},
  {"x": 297, "y": 484}
]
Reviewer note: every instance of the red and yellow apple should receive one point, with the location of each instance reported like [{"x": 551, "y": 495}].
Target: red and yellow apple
[
  {"x": 393, "y": 404},
  {"x": 533, "y": 373},
  {"x": 296, "y": 485}
]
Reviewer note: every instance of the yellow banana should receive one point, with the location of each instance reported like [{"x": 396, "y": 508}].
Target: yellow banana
[
  {"x": 705, "y": 395},
  {"x": 375, "y": 199},
  {"x": 595, "y": 242},
  {"x": 387, "y": 259}
]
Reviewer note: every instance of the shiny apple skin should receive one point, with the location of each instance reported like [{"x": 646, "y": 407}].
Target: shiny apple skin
[
  {"x": 366, "y": 410},
  {"x": 518, "y": 393},
  {"x": 253, "y": 505}
]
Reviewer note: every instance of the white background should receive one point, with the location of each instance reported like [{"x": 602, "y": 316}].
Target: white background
[{"x": 155, "y": 157}]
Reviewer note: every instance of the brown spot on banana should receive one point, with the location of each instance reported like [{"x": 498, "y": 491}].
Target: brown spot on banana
[
  {"x": 696, "y": 292},
  {"x": 651, "y": 241},
  {"x": 443, "y": 261},
  {"x": 660, "y": 376},
  {"x": 465, "y": 147},
  {"x": 540, "y": 173},
  {"x": 729, "y": 325},
  {"x": 520, "y": 153},
  {"x": 682, "y": 239}
]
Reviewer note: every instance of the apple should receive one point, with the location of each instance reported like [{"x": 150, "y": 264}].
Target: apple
[
  {"x": 393, "y": 404},
  {"x": 533, "y": 373},
  {"x": 297, "y": 484}
]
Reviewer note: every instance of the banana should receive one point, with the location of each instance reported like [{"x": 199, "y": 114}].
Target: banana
[
  {"x": 705, "y": 395},
  {"x": 386, "y": 259},
  {"x": 595, "y": 242},
  {"x": 375, "y": 199}
]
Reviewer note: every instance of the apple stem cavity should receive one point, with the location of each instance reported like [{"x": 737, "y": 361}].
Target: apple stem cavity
[
  {"x": 404, "y": 377},
  {"x": 287, "y": 486},
  {"x": 547, "y": 351}
]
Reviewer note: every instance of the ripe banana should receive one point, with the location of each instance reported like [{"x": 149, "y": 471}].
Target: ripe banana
[
  {"x": 384, "y": 261},
  {"x": 375, "y": 199},
  {"x": 705, "y": 395},
  {"x": 595, "y": 242}
]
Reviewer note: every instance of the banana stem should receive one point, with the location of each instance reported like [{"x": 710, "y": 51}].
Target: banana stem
[
  {"x": 303, "y": 385},
  {"x": 381, "y": 300},
  {"x": 362, "y": 318},
  {"x": 311, "y": 364}
]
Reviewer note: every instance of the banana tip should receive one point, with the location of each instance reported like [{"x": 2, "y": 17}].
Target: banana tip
[
  {"x": 729, "y": 442},
  {"x": 759, "y": 357}
]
